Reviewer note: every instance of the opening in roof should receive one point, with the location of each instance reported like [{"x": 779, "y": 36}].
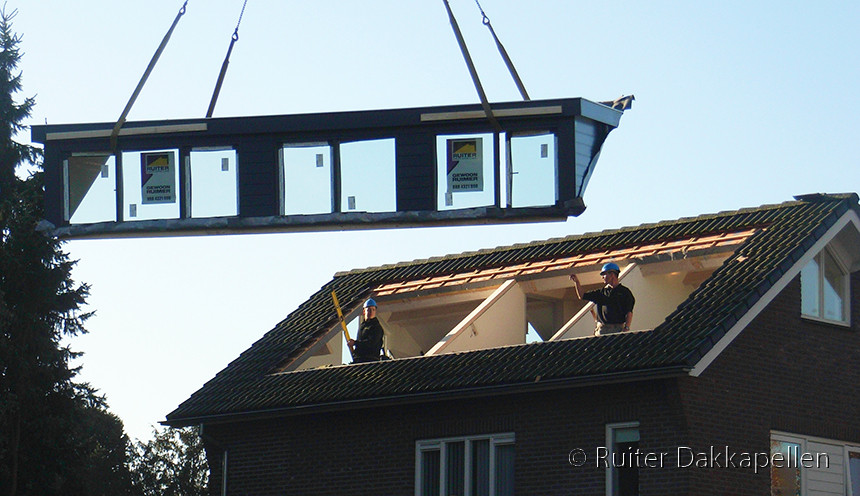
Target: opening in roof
[{"x": 535, "y": 301}]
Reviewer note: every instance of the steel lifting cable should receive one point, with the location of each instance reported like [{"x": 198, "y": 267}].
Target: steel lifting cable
[
  {"x": 471, "y": 66},
  {"x": 119, "y": 123},
  {"x": 233, "y": 40},
  {"x": 504, "y": 54}
]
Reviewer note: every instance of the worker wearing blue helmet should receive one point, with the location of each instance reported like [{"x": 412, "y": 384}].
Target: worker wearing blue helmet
[
  {"x": 613, "y": 302},
  {"x": 366, "y": 347}
]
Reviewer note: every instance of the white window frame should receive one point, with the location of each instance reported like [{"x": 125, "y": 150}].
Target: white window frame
[
  {"x": 422, "y": 446},
  {"x": 610, "y": 450},
  {"x": 790, "y": 438},
  {"x": 804, "y": 441},
  {"x": 845, "y": 290},
  {"x": 848, "y": 489}
]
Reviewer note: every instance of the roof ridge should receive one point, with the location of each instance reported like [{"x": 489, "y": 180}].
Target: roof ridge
[{"x": 822, "y": 197}]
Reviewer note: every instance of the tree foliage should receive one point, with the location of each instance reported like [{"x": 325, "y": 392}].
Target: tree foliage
[
  {"x": 56, "y": 436},
  {"x": 173, "y": 463}
]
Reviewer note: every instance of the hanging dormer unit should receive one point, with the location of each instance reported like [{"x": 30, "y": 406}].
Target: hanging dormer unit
[{"x": 331, "y": 171}]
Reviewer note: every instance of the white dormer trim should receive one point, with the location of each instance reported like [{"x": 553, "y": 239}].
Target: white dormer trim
[{"x": 849, "y": 218}]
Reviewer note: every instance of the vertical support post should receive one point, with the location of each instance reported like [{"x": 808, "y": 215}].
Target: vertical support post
[
  {"x": 336, "y": 186},
  {"x": 55, "y": 191},
  {"x": 509, "y": 174},
  {"x": 224, "y": 474},
  {"x": 67, "y": 214},
  {"x": 120, "y": 199},
  {"x": 260, "y": 178},
  {"x": 497, "y": 164},
  {"x": 184, "y": 183},
  {"x": 566, "y": 163}
]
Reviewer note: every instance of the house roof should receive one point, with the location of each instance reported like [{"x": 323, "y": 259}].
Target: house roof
[
  {"x": 775, "y": 237},
  {"x": 532, "y": 268}
]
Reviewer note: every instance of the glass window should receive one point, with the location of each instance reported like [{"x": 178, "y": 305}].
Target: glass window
[
  {"x": 214, "y": 183},
  {"x": 785, "y": 477},
  {"x": 465, "y": 166},
  {"x": 90, "y": 188},
  {"x": 809, "y": 280},
  {"x": 833, "y": 287},
  {"x": 150, "y": 182},
  {"x": 471, "y": 466},
  {"x": 804, "y": 465},
  {"x": 455, "y": 471},
  {"x": 532, "y": 175},
  {"x": 504, "y": 468},
  {"x": 622, "y": 478},
  {"x": 854, "y": 472},
  {"x": 307, "y": 178},
  {"x": 367, "y": 176},
  {"x": 430, "y": 474},
  {"x": 824, "y": 289},
  {"x": 481, "y": 467}
]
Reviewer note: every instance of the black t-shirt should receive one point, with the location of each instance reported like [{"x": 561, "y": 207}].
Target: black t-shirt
[
  {"x": 368, "y": 343},
  {"x": 613, "y": 304}
]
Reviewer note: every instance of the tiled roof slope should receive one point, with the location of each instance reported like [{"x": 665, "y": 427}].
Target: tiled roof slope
[{"x": 251, "y": 382}]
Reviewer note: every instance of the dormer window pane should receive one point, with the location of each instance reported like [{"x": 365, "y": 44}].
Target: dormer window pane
[
  {"x": 824, "y": 289},
  {"x": 834, "y": 286},
  {"x": 809, "y": 288}
]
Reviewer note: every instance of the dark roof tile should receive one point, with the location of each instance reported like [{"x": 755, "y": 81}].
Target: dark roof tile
[{"x": 251, "y": 382}]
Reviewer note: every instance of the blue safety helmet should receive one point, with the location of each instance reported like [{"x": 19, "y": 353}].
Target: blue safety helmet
[
  {"x": 370, "y": 303},
  {"x": 610, "y": 266}
]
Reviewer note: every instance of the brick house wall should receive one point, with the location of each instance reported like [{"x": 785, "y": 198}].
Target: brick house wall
[
  {"x": 319, "y": 453},
  {"x": 781, "y": 373}
]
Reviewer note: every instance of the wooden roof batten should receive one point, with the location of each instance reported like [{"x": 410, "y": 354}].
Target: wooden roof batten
[{"x": 579, "y": 128}]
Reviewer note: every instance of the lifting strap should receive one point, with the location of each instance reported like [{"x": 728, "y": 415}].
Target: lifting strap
[
  {"x": 504, "y": 54},
  {"x": 472, "y": 71},
  {"x": 119, "y": 123},
  {"x": 233, "y": 40}
]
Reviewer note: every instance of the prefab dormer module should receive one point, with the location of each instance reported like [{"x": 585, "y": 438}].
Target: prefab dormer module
[{"x": 332, "y": 171}]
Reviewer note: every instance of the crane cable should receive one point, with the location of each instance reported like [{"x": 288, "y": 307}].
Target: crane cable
[
  {"x": 233, "y": 40},
  {"x": 119, "y": 123},
  {"x": 474, "y": 73},
  {"x": 504, "y": 54}
]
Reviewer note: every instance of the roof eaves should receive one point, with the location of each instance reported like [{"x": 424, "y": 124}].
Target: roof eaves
[{"x": 539, "y": 384}]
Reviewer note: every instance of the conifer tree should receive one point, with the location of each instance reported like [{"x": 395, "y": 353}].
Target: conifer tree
[{"x": 52, "y": 431}]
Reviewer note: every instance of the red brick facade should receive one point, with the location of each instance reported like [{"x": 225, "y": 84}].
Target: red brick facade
[
  {"x": 784, "y": 373},
  {"x": 781, "y": 373}
]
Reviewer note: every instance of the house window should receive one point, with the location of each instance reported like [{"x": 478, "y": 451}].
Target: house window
[
  {"x": 853, "y": 471},
  {"x": 622, "y": 477},
  {"x": 469, "y": 466},
  {"x": 801, "y": 465},
  {"x": 785, "y": 475},
  {"x": 825, "y": 289}
]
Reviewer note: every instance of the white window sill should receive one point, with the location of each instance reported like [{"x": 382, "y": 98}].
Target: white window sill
[{"x": 826, "y": 321}]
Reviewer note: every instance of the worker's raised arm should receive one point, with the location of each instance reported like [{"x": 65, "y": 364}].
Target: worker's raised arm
[{"x": 576, "y": 286}]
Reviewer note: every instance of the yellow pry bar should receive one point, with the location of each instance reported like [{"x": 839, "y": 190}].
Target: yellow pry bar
[{"x": 340, "y": 315}]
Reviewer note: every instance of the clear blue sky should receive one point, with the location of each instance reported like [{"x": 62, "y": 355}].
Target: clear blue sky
[{"x": 737, "y": 104}]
